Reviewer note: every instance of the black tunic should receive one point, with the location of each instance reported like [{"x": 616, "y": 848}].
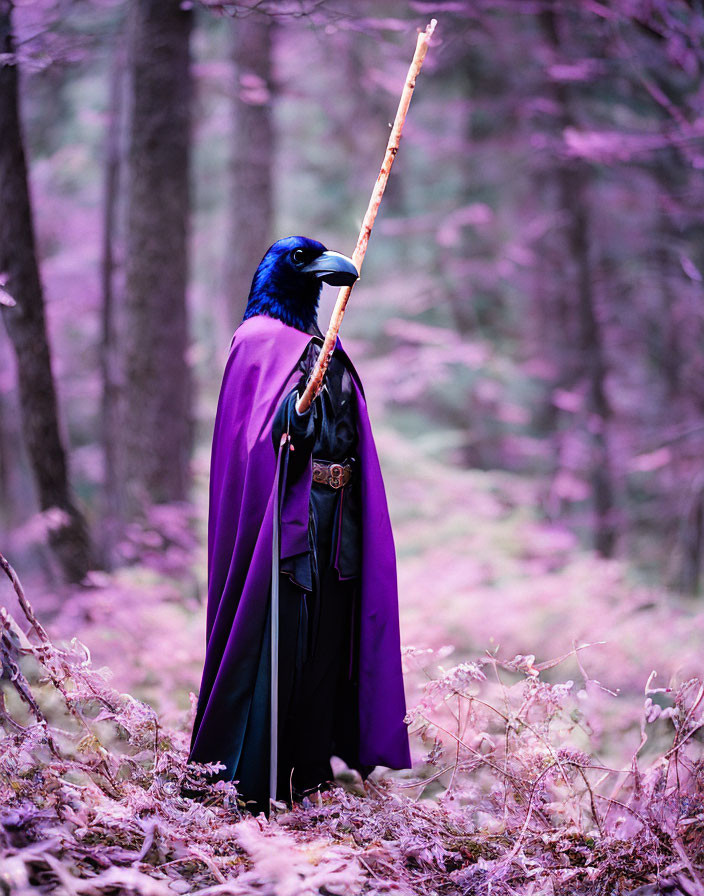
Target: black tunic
[{"x": 327, "y": 431}]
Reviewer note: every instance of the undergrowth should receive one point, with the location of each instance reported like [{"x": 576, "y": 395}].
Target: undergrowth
[{"x": 509, "y": 796}]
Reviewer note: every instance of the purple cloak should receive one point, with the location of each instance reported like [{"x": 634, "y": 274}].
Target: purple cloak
[{"x": 260, "y": 370}]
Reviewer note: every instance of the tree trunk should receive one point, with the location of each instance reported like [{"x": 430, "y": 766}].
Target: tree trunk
[
  {"x": 17, "y": 501},
  {"x": 691, "y": 540},
  {"x": 111, "y": 405},
  {"x": 249, "y": 231},
  {"x": 572, "y": 186},
  {"x": 158, "y": 427},
  {"x": 26, "y": 325}
]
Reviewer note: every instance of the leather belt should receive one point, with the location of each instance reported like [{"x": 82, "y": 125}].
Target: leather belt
[{"x": 334, "y": 475}]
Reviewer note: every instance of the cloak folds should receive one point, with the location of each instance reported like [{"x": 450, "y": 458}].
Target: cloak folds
[{"x": 261, "y": 369}]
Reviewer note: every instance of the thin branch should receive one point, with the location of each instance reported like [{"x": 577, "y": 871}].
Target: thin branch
[{"x": 316, "y": 379}]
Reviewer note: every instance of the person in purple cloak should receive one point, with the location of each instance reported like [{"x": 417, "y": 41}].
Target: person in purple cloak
[{"x": 312, "y": 484}]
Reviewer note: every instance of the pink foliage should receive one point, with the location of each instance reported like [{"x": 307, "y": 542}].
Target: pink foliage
[{"x": 98, "y": 797}]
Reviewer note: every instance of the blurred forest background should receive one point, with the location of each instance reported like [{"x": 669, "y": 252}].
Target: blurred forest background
[
  {"x": 534, "y": 280},
  {"x": 529, "y": 330}
]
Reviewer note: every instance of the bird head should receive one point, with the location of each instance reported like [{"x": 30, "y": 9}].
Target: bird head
[{"x": 289, "y": 279}]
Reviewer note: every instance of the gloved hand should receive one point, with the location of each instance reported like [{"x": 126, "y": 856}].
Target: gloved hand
[{"x": 300, "y": 427}]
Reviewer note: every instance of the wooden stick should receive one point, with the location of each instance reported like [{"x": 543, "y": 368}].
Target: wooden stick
[{"x": 321, "y": 365}]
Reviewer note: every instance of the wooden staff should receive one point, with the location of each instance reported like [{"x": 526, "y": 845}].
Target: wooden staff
[{"x": 321, "y": 365}]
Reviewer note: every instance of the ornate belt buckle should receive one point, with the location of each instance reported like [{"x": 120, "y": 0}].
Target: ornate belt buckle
[{"x": 336, "y": 474}]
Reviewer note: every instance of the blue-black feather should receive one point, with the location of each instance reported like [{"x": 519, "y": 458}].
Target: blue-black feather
[{"x": 282, "y": 291}]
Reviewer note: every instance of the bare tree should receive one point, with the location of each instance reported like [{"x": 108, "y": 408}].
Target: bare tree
[
  {"x": 572, "y": 181},
  {"x": 111, "y": 372},
  {"x": 157, "y": 431},
  {"x": 251, "y": 201},
  {"x": 26, "y": 325}
]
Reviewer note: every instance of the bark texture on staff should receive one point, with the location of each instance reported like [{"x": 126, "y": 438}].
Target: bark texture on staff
[{"x": 316, "y": 379}]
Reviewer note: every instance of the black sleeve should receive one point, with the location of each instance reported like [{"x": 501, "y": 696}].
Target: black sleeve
[{"x": 301, "y": 428}]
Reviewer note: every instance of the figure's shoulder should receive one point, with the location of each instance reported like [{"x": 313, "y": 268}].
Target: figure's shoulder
[
  {"x": 264, "y": 347},
  {"x": 260, "y": 329},
  {"x": 256, "y": 328}
]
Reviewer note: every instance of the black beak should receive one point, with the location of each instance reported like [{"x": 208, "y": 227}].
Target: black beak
[{"x": 333, "y": 268}]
